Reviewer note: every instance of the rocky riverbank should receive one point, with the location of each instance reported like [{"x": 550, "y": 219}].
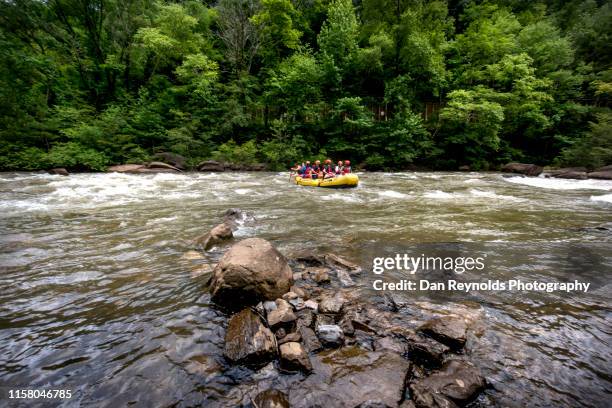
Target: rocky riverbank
[{"x": 299, "y": 317}]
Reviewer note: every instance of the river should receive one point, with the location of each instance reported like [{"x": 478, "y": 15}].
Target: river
[{"x": 99, "y": 294}]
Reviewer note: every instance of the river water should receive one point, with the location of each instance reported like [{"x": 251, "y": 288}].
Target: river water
[{"x": 100, "y": 294}]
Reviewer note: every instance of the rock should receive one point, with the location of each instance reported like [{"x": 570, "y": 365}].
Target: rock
[
  {"x": 234, "y": 217},
  {"x": 210, "y": 165},
  {"x": 330, "y": 335},
  {"x": 248, "y": 341},
  {"x": 391, "y": 344},
  {"x": 309, "y": 258},
  {"x": 464, "y": 168},
  {"x": 331, "y": 305},
  {"x": 160, "y": 165},
  {"x": 310, "y": 339},
  {"x": 173, "y": 159},
  {"x": 338, "y": 262},
  {"x": 295, "y": 336},
  {"x": 426, "y": 351},
  {"x": 294, "y": 357},
  {"x": 290, "y": 295},
  {"x": 298, "y": 291},
  {"x": 323, "y": 319},
  {"x": 523, "y": 168},
  {"x": 344, "y": 278},
  {"x": 312, "y": 305},
  {"x": 605, "y": 168},
  {"x": 60, "y": 171},
  {"x": 271, "y": 399},
  {"x": 457, "y": 383},
  {"x": 297, "y": 303},
  {"x": 578, "y": 173},
  {"x": 283, "y": 314},
  {"x": 601, "y": 174},
  {"x": 269, "y": 306},
  {"x": 449, "y": 330},
  {"x": 350, "y": 376},
  {"x": 347, "y": 326},
  {"x": 319, "y": 275},
  {"x": 126, "y": 168},
  {"x": 251, "y": 271},
  {"x": 305, "y": 318},
  {"x": 217, "y": 235},
  {"x": 280, "y": 334}
]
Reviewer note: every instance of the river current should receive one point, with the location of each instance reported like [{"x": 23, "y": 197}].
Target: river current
[{"x": 101, "y": 292}]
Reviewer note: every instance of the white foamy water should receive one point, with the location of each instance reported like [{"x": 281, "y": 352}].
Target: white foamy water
[
  {"x": 606, "y": 198},
  {"x": 392, "y": 194},
  {"x": 561, "y": 184},
  {"x": 438, "y": 194}
]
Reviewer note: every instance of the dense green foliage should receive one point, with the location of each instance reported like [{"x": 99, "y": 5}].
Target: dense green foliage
[{"x": 388, "y": 84}]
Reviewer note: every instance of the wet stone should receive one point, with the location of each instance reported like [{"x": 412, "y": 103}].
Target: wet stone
[
  {"x": 457, "y": 382},
  {"x": 312, "y": 305},
  {"x": 271, "y": 399},
  {"x": 330, "y": 335},
  {"x": 449, "y": 330},
  {"x": 331, "y": 304},
  {"x": 294, "y": 357},
  {"x": 310, "y": 339},
  {"x": 248, "y": 341},
  {"x": 295, "y": 336}
]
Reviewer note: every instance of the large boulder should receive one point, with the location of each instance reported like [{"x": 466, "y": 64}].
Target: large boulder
[
  {"x": 251, "y": 271},
  {"x": 523, "y": 168},
  {"x": 601, "y": 174},
  {"x": 161, "y": 165},
  {"x": 173, "y": 159},
  {"x": 457, "y": 383},
  {"x": 248, "y": 341},
  {"x": 125, "y": 168},
  {"x": 211, "y": 165},
  {"x": 60, "y": 171},
  {"x": 578, "y": 173},
  {"x": 217, "y": 235},
  {"x": 351, "y": 376}
]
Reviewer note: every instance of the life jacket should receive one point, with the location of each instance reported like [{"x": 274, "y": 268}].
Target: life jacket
[
  {"x": 346, "y": 169},
  {"x": 327, "y": 169},
  {"x": 338, "y": 170},
  {"x": 308, "y": 172}
]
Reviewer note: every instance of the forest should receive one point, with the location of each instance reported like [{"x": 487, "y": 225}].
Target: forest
[{"x": 390, "y": 85}]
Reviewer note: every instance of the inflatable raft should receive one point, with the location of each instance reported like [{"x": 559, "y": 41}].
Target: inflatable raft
[{"x": 345, "y": 181}]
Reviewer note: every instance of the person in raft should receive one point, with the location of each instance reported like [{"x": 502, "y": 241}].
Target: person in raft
[
  {"x": 347, "y": 167},
  {"x": 338, "y": 168},
  {"x": 328, "y": 171},
  {"x": 306, "y": 170}
]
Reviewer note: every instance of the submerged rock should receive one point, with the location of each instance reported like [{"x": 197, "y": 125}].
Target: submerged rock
[
  {"x": 294, "y": 357},
  {"x": 248, "y": 341},
  {"x": 578, "y": 173},
  {"x": 251, "y": 271},
  {"x": 458, "y": 382},
  {"x": 339, "y": 262},
  {"x": 449, "y": 330},
  {"x": 351, "y": 376},
  {"x": 426, "y": 351},
  {"x": 271, "y": 399},
  {"x": 218, "y": 234},
  {"x": 523, "y": 168}
]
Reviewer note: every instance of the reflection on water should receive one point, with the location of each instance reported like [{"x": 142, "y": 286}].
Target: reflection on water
[{"x": 97, "y": 294}]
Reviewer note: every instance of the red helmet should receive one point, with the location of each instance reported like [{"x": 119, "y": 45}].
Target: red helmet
[
  {"x": 327, "y": 161},
  {"x": 347, "y": 162}
]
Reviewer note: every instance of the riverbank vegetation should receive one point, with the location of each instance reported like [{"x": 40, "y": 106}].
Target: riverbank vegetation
[{"x": 389, "y": 84}]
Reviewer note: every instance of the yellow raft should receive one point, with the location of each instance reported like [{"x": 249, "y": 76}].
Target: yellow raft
[{"x": 345, "y": 181}]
